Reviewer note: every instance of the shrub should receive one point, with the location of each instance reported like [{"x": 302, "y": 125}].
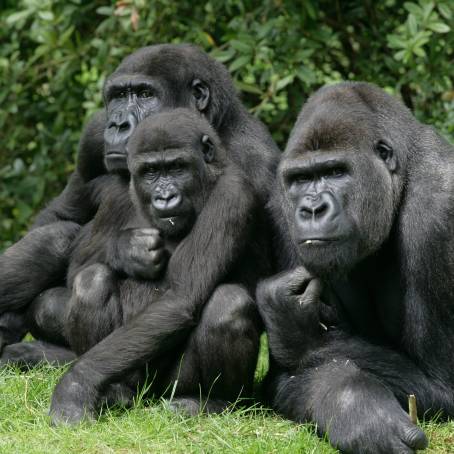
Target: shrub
[{"x": 55, "y": 55}]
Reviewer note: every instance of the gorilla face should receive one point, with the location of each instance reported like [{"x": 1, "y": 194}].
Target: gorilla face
[
  {"x": 173, "y": 167},
  {"x": 147, "y": 82},
  {"x": 340, "y": 183}
]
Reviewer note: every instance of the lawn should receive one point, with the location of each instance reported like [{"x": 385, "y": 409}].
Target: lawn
[{"x": 152, "y": 428}]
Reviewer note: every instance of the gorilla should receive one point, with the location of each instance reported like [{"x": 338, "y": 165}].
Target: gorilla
[
  {"x": 365, "y": 316},
  {"x": 150, "y": 80},
  {"x": 175, "y": 160}
]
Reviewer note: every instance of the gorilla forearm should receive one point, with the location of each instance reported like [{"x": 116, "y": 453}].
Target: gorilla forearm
[{"x": 230, "y": 220}]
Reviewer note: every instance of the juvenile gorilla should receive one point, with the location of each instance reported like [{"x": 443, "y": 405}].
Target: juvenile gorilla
[
  {"x": 366, "y": 195},
  {"x": 175, "y": 160},
  {"x": 148, "y": 81}
]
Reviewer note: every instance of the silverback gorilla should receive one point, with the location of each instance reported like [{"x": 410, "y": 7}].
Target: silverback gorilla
[
  {"x": 146, "y": 82},
  {"x": 366, "y": 316},
  {"x": 175, "y": 160}
]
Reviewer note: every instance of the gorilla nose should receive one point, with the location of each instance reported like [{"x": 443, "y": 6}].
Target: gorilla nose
[
  {"x": 316, "y": 209},
  {"x": 120, "y": 128},
  {"x": 313, "y": 207},
  {"x": 167, "y": 200}
]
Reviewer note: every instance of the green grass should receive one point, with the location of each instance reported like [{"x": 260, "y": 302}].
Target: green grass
[{"x": 151, "y": 428}]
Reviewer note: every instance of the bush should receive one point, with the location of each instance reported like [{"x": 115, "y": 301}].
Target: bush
[{"x": 55, "y": 55}]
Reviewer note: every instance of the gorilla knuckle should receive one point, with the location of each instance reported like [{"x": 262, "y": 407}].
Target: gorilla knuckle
[
  {"x": 229, "y": 311},
  {"x": 416, "y": 438},
  {"x": 91, "y": 283}
]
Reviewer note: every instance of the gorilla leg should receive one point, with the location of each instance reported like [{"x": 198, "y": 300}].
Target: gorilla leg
[
  {"x": 30, "y": 354},
  {"x": 45, "y": 320},
  {"x": 13, "y": 327},
  {"x": 47, "y": 315},
  {"x": 35, "y": 263},
  {"x": 221, "y": 355},
  {"x": 94, "y": 309}
]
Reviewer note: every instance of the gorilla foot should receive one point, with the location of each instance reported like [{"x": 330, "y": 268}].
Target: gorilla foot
[
  {"x": 30, "y": 354},
  {"x": 73, "y": 401},
  {"x": 193, "y": 406},
  {"x": 119, "y": 394}
]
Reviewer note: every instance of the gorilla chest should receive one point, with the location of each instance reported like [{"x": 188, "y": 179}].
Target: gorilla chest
[{"x": 370, "y": 302}]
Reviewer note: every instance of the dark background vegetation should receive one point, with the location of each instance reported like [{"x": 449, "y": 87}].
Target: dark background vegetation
[{"x": 55, "y": 55}]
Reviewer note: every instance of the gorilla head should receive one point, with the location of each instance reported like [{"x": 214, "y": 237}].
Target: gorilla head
[
  {"x": 157, "y": 78},
  {"x": 174, "y": 159},
  {"x": 343, "y": 173}
]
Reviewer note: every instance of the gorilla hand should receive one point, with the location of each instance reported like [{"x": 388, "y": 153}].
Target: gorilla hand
[
  {"x": 291, "y": 299},
  {"x": 359, "y": 413},
  {"x": 141, "y": 253}
]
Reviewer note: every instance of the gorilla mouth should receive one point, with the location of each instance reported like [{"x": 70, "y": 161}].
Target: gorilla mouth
[
  {"x": 116, "y": 154},
  {"x": 317, "y": 241}
]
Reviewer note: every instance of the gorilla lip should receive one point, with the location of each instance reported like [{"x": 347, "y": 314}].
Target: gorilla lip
[
  {"x": 317, "y": 241},
  {"x": 116, "y": 154}
]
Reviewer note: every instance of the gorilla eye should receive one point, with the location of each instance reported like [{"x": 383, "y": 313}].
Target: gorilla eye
[
  {"x": 145, "y": 93},
  {"x": 121, "y": 94},
  {"x": 383, "y": 150},
  {"x": 336, "y": 172}
]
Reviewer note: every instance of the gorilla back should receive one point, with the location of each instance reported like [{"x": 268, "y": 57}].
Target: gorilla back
[{"x": 366, "y": 192}]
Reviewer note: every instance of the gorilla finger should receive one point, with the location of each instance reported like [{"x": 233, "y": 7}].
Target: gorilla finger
[
  {"x": 148, "y": 231},
  {"x": 414, "y": 437},
  {"x": 294, "y": 281},
  {"x": 305, "y": 284},
  {"x": 159, "y": 255},
  {"x": 149, "y": 242}
]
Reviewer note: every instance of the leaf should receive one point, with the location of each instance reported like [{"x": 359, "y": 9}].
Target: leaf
[
  {"x": 419, "y": 51},
  {"x": 284, "y": 82},
  {"x": 439, "y": 27},
  {"x": 445, "y": 10},
  {"x": 428, "y": 8},
  {"x": 400, "y": 55},
  {"x": 223, "y": 55},
  {"x": 412, "y": 24},
  {"x": 396, "y": 42},
  {"x": 413, "y": 8},
  {"x": 16, "y": 17},
  {"x": 46, "y": 15},
  {"x": 105, "y": 10},
  {"x": 240, "y": 46},
  {"x": 248, "y": 88},
  {"x": 239, "y": 62}
]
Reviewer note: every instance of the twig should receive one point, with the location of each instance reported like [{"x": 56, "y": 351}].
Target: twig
[{"x": 413, "y": 412}]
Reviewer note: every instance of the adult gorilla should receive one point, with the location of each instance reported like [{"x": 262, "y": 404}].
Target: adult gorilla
[
  {"x": 149, "y": 80},
  {"x": 366, "y": 193}
]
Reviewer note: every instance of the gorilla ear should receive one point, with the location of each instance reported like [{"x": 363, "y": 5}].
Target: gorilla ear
[
  {"x": 207, "y": 149},
  {"x": 201, "y": 94},
  {"x": 386, "y": 154}
]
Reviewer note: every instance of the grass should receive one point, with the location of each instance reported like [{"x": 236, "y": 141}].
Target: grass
[{"x": 152, "y": 428}]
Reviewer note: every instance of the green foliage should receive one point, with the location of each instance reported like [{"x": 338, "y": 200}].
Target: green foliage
[{"x": 55, "y": 55}]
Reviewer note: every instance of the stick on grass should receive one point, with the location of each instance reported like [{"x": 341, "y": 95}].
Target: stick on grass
[{"x": 413, "y": 412}]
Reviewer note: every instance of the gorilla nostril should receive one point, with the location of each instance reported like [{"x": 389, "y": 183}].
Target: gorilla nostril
[
  {"x": 124, "y": 126},
  {"x": 305, "y": 212},
  {"x": 320, "y": 209}
]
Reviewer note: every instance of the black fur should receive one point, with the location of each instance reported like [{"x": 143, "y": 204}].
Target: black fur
[{"x": 366, "y": 194}]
